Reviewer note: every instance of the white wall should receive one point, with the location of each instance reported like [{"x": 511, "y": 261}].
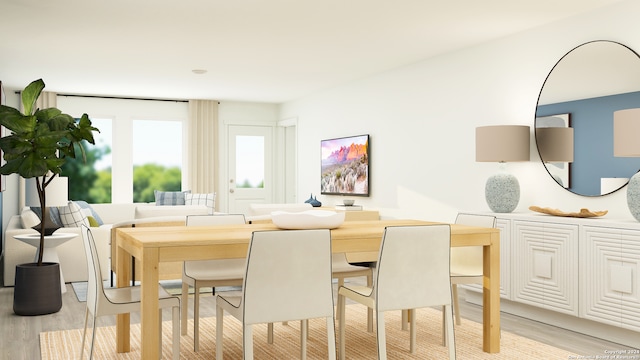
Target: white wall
[{"x": 422, "y": 121}]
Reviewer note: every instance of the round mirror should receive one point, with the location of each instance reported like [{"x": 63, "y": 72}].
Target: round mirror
[{"x": 574, "y": 117}]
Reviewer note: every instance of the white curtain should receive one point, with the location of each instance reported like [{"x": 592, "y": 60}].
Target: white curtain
[
  {"x": 202, "y": 145},
  {"x": 46, "y": 100}
]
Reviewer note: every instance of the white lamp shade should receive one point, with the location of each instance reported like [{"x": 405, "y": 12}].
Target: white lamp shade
[
  {"x": 502, "y": 143},
  {"x": 626, "y": 127},
  {"x": 57, "y": 192},
  {"x": 555, "y": 144}
]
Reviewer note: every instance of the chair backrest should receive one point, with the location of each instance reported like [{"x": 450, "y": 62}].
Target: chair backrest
[
  {"x": 95, "y": 288},
  {"x": 223, "y": 219},
  {"x": 288, "y": 276},
  {"x": 471, "y": 256},
  {"x": 488, "y": 221},
  {"x": 413, "y": 267}
]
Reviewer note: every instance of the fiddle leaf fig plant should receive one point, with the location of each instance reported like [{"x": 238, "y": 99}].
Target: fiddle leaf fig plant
[{"x": 39, "y": 143}]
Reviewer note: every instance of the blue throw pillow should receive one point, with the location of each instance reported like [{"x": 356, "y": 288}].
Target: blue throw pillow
[{"x": 170, "y": 197}]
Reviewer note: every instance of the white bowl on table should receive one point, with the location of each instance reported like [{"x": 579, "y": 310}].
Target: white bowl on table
[{"x": 309, "y": 219}]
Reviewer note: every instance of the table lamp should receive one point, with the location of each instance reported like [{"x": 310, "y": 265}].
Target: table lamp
[
  {"x": 626, "y": 127},
  {"x": 56, "y": 195},
  {"x": 555, "y": 145},
  {"x": 502, "y": 143}
]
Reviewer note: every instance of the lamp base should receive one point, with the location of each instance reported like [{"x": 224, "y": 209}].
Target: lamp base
[
  {"x": 633, "y": 195},
  {"x": 502, "y": 193}
]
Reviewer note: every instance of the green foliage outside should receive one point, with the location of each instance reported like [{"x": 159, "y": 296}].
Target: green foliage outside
[
  {"x": 94, "y": 186},
  {"x": 150, "y": 177},
  {"x": 83, "y": 175}
]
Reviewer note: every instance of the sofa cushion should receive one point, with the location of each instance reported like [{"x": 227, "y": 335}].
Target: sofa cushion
[
  {"x": 143, "y": 212},
  {"x": 170, "y": 197},
  {"x": 72, "y": 215},
  {"x": 85, "y": 206},
  {"x": 208, "y": 200}
]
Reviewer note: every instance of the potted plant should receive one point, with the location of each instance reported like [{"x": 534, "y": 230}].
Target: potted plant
[{"x": 39, "y": 143}]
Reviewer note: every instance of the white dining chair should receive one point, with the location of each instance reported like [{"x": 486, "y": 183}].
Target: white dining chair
[
  {"x": 467, "y": 261},
  {"x": 412, "y": 272},
  {"x": 208, "y": 273},
  {"x": 287, "y": 278},
  {"x": 342, "y": 269},
  {"x": 114, "y": 301}
]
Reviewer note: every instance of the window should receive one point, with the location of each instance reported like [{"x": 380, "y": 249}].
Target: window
[
  {"x": 157, "y": 158},
  {"x": 91, "y": 180},
  {"x": 141, "y": 135},
  {"x": 250, "y": 161}
]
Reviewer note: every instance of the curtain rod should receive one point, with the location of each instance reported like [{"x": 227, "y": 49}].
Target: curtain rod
[
  {"x": 18, "y": 92},
  {"x": 121, "y": 98}
]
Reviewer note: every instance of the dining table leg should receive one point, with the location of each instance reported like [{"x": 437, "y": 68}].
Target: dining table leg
[
  {"x": 123, "y": 321},
  {"x": 491, "y": 295},
  {"x": 149, "y": 320}
]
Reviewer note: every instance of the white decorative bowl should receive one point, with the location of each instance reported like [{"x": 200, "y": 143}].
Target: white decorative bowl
[
  {"x": 348, "y": 202},
  {"x": 309, "y": 219}
]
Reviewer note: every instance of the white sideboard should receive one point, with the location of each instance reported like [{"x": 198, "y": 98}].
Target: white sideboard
[{"x": 579, "y": 274}]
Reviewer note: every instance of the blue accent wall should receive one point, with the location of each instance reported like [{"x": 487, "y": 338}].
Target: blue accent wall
[{"x": 592, "y": 121}]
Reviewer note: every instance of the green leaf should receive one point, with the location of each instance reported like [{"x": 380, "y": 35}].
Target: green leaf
[
  {"x": 30, "y": 95},
  {"x": 13, "y": 120}
]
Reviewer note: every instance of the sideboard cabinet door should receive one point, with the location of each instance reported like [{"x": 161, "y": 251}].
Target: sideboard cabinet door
[
  {"x": 545, "y": 265},
  {"x": 610, "y": 276}
]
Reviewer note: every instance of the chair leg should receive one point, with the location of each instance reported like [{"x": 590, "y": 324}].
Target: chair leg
[
  {"x": 270, "y": 333},
  {"x": 219, "y": 322},
  {"x": 185, "y": 307},
  {"x": 93, "y": 337},
  {"x": 176, "y": 332},
  {"x": 370, "y": 310},
  {"x": 341, "y": 327},
  {"x": 405, "y": 320},
  {"x": 196, "y": 318},
  {"x": 450, "y": 333},
  {"x": 382, "y": 339},
  {"x": 331, "y": 337},
  {"x": 412, "y": 331},
  {"x": 456, "y": 307},
  {"x": 247, "y": 341},
  {"x": 303, "y": 338},
  {"x": 84, "y": 333}
]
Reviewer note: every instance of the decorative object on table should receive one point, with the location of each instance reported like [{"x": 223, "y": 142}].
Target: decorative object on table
[
  {"x": 502, "y": 143},
  {"x": 313, "y": 201},
  {"x": 39, "y": 143},
  {"x": 348, "y": 202},
  {"x": 309, "y": 219},
  {"x": 626, "y": 127},
  {"x": 555, "y": 146},
  {"x": 57, "y": 196},
  {"x": 583, "y": 213}
]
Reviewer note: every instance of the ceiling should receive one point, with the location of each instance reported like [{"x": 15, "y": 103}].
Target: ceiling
[{"x": 253, "y": 50}]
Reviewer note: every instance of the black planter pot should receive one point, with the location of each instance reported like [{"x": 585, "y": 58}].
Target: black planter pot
[{"x": 37, "y": 289}]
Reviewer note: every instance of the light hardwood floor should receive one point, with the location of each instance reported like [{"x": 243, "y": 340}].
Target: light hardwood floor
[{"x": 20, "y": 334}]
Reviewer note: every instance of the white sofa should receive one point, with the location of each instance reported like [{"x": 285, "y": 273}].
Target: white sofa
[{"x": 71, "y": 253}]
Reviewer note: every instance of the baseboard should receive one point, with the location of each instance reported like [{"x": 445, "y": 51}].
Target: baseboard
[{"x": 583, "y": 326}]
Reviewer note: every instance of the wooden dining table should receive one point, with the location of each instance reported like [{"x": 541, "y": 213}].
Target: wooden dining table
[{"x": 153, "y": 245}]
